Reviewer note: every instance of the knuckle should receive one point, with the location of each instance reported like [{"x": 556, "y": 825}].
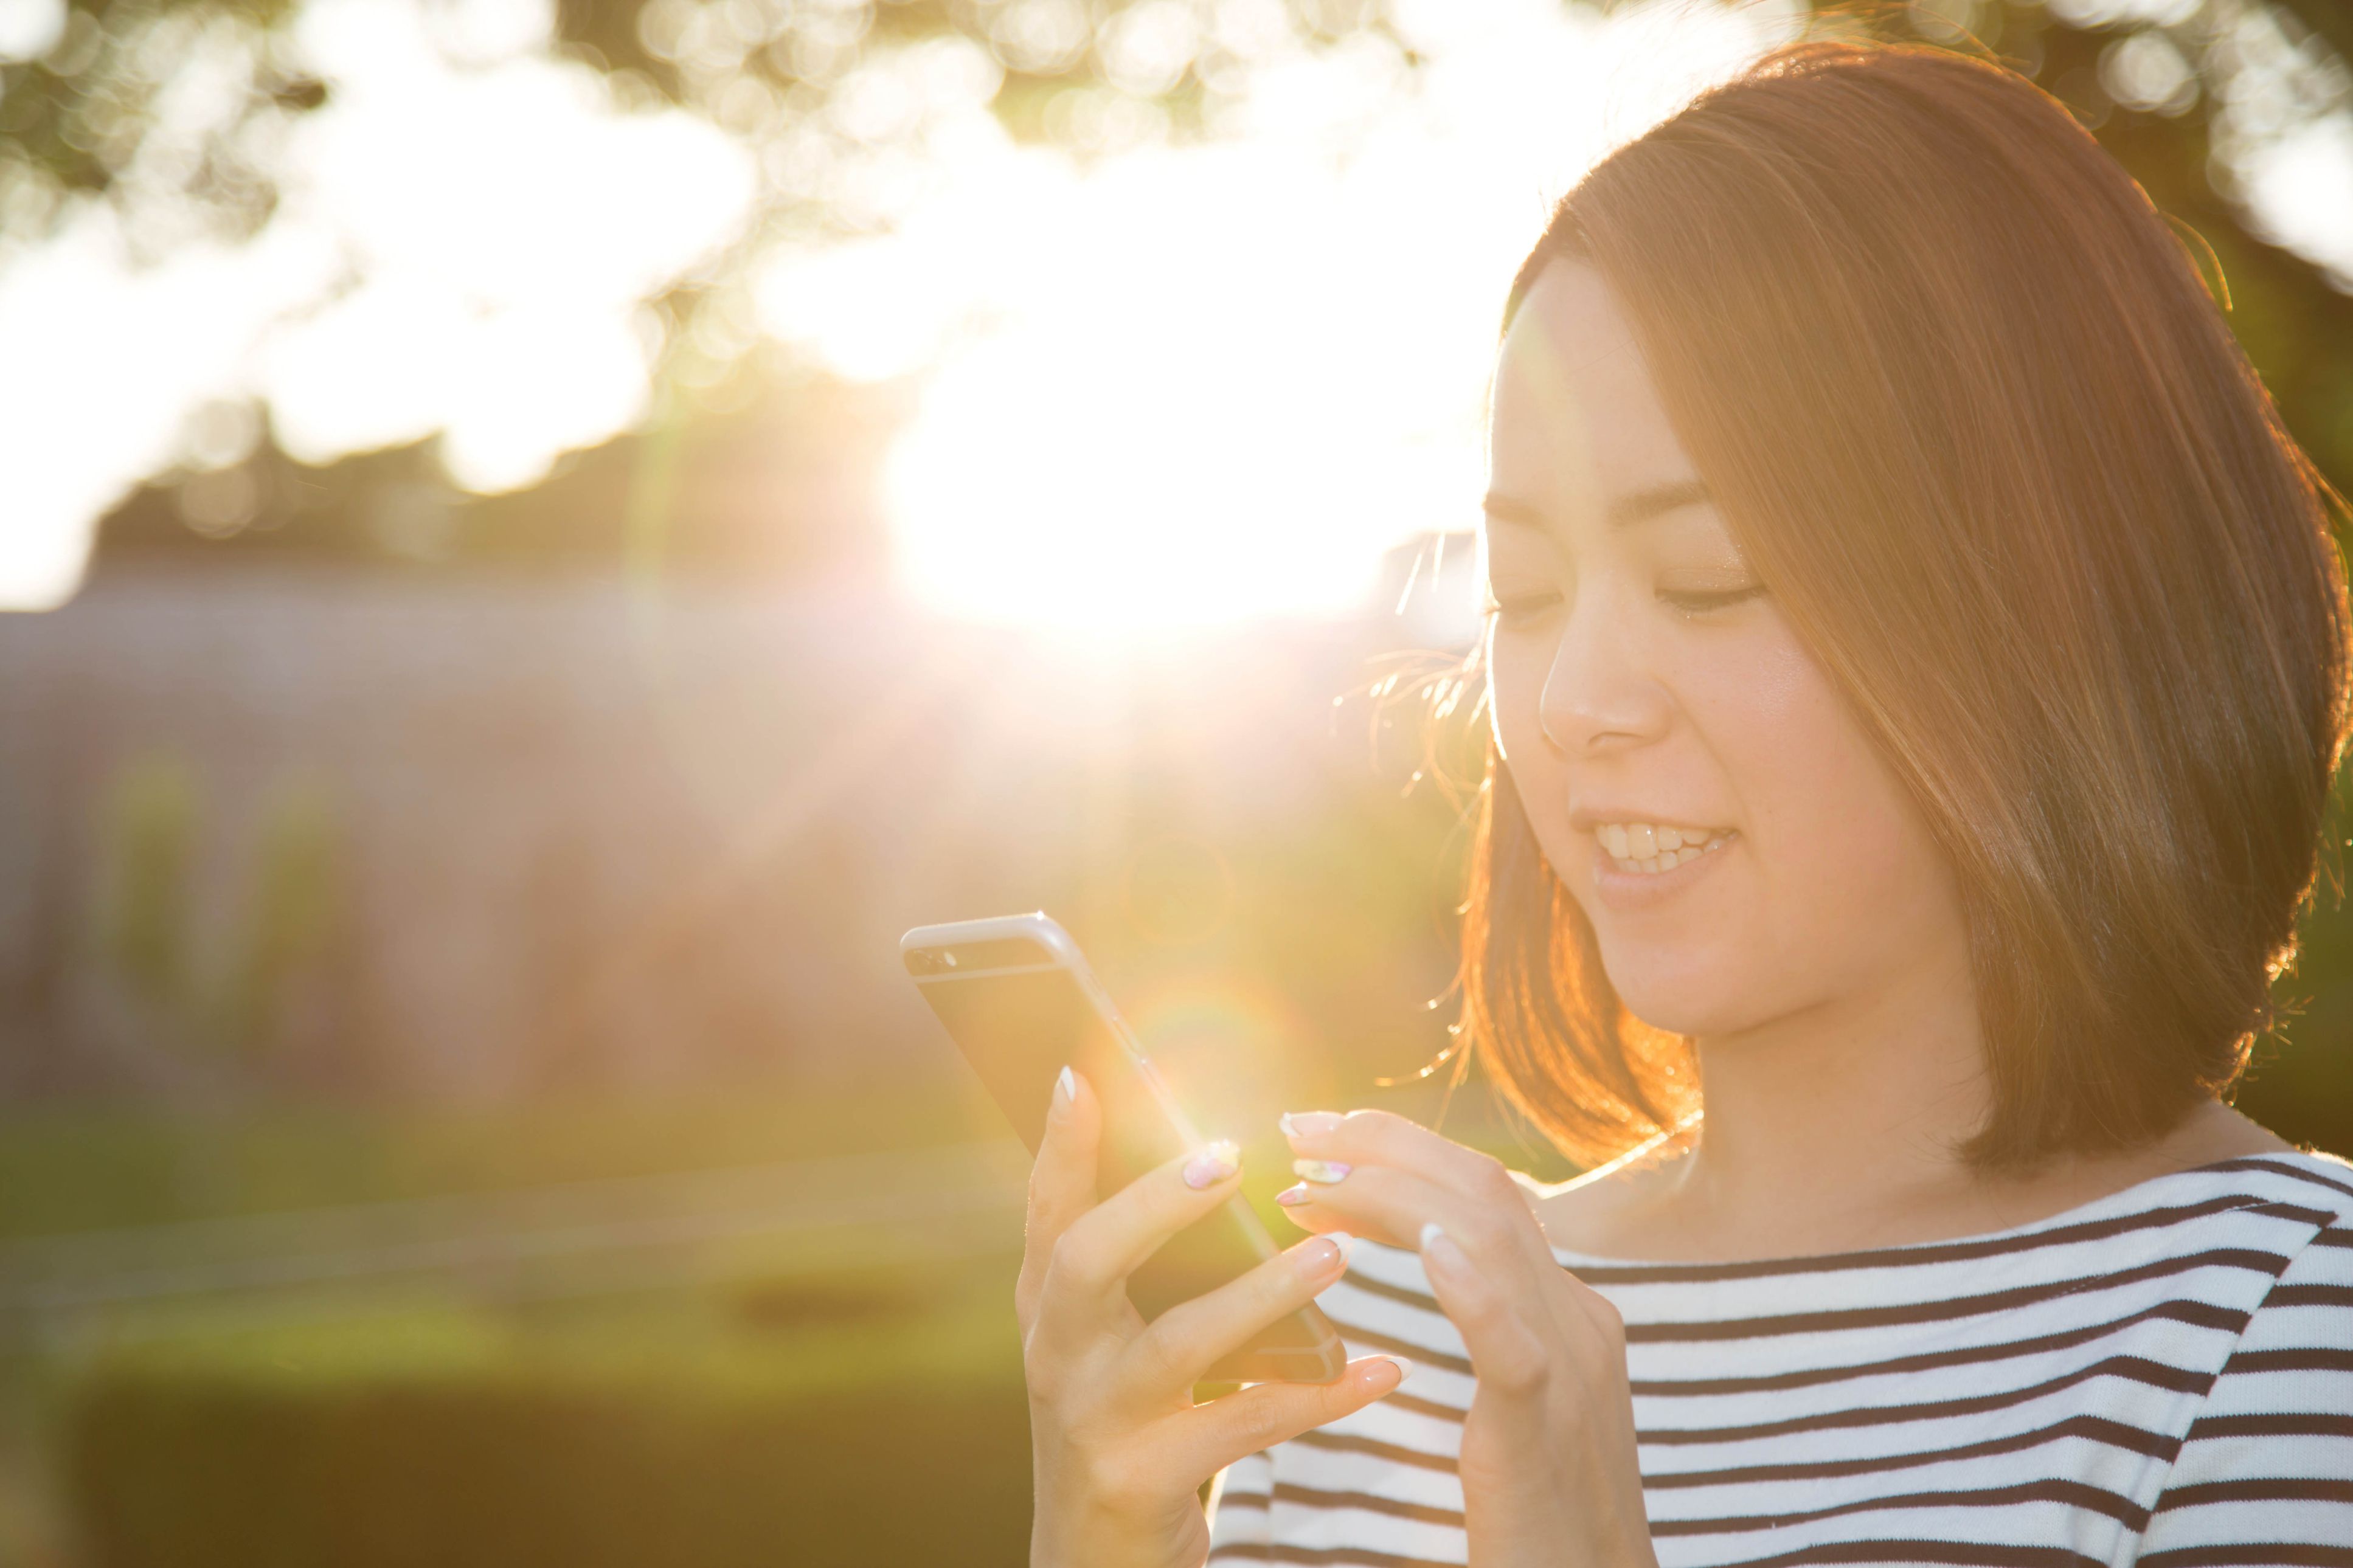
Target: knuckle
[
  {"x": 1260, "y": 1424},
  {"x": 1520, "y": 1369},
  {"x": 1159, "y": 1351},
  {"x": 1068, "y": 1258},
  {"x": 1118, "y": 1482},
  {"x": 1597, "y": 1310},
  {"x": 1043, "y": 1375},
  {"x": 1480, "y": 1311},
  {"x": 1489, "y": 1232},
  {"x": 1496, "y": 1179}
]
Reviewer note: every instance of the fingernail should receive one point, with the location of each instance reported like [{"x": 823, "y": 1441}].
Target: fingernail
[
  {"x": 1327, "y": 1172},
  {"x": 1341, "y": 1239},
  {"x": 1308, "y": 1123},
  {"x": 1066, "y": 1087},
  {"x": 1212, "y": 1166},
  {"x": 1439, "y": 1246},
  {"x": 1405, "y": 1367},
  {"x": 1321, "y": 1255},
  {"x": 1291, "y": 1197}
]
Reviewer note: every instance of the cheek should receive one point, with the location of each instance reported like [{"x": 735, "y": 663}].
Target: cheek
[{"x": 1849, "y": 863}]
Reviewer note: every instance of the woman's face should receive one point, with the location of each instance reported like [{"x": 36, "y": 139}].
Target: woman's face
[{"x": 1692, "y": 776}]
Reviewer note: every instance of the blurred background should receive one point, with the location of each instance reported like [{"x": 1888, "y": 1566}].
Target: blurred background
[{"x": 542, "y": 535}]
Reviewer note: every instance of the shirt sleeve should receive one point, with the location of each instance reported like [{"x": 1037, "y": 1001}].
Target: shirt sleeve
[
  {"x": 1240, "y": 1519},
  {"x": 2265, "y": 1478}
]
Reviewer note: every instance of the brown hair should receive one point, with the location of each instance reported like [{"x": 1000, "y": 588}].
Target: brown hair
[{"x": 1968, "y": 407}]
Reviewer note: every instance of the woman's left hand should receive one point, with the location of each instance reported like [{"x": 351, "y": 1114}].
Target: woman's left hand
[{"x": 1548, "y": 1467}]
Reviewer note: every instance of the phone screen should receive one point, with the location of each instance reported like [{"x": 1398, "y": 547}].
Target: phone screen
[{"x": 1021, "y": 1010}]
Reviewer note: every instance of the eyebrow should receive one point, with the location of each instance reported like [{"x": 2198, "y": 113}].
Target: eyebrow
[{"x": 1625, "y": 511}]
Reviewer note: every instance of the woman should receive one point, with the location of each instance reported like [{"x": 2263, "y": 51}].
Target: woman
[{"x": 1916, "y": 665}]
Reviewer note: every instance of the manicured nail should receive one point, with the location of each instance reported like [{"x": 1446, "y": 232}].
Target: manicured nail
[
  {"x": 1341, "y": 1239},
  {"x": 1212, "y": 1166},
  {"x": 1440, "y": 1248},
  {"x": 1327, "y": 1172},
  {"x": 1308, "y": 1123},
  {"x": 1291, "y": 1197},
  {"x": 1320, "y": 1256},
  {"x": 1066, "y": 1087},
  {"x": 1405, "y": 1367}
]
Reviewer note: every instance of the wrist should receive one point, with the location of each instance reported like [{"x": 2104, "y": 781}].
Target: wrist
[{"x": 1081, "y": 1536}]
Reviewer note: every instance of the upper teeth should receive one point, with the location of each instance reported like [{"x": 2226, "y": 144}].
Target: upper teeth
[{"x": 1646, "y": 846}]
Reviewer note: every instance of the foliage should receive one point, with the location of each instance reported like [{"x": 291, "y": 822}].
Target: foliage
[
  {"x": 65, "y": 1168},
  {"x": 628, "y": 1438},
  {"x": 233, "y": 1003},
  {"x": 2224, "y": 92}
]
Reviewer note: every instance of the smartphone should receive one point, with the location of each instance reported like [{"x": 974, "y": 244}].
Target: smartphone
[{"x": 1019, "y": 999}]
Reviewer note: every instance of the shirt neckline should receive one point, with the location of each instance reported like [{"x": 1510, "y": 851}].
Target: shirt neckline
[{"x": 2081, "y": 1213}]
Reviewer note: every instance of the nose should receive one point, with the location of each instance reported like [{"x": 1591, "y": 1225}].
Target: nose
[{"x": 1599, "y": 693}]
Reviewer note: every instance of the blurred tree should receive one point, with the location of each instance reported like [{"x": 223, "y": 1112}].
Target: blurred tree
[
  {"x": 778, "y": 489},
  {"x": 88, "y": 106},
  {"x": 2192, "y": 96}
]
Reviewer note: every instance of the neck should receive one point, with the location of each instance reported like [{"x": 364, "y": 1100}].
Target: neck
[{"x": 1840, "y": 1122}]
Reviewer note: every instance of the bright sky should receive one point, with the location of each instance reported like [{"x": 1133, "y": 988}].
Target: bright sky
[
  {"x": 1198, "y": 383},
  {"x": 1172, "y": 385}
]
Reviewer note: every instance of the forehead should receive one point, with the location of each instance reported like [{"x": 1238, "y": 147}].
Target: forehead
[{"x": 1576, "y": 418}]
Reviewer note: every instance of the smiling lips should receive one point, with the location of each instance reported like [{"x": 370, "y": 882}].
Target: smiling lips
[{"x": 1646, "y": 847}]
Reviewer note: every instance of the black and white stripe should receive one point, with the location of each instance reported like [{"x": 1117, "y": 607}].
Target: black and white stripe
[{"x": 2163, "y": 1377}]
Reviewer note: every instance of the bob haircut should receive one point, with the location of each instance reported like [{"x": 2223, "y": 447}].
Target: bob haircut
[{"x": 1966, "y": 405}]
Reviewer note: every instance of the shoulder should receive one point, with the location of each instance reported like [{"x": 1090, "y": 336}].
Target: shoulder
[
  {"x": 2269, "y": 1455},
  {"x": 2300, "y": 1178},
  {"x": 2288, "y": 1212}
]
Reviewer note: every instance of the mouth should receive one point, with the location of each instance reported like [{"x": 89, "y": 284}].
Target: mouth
[{"x": 1648, "y": 849}]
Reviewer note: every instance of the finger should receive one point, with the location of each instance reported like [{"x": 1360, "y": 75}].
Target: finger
[
  {"x": 1182, "y": 1343},
  {"x": 1061, "y": 1181},
  {"x": 1381, "y": 1136},
  {"x": 1380, "y": 1202},
  {"x": 1506, "y": 1353},
  {"x": 1207, "y": 1438},
  {"x": 1087, "y": 1271}
]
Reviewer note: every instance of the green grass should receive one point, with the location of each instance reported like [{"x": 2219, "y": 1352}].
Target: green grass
[
  {"x": 856, "y": 1421},
  {"x": 85, "y": 1168}
]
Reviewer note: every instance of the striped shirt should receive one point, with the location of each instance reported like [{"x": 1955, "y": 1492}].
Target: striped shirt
[{"x": 2162, "y": 1378}]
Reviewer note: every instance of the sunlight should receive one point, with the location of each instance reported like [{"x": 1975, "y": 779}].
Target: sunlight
[
  {"x": 1115, "y": 461},
  {"x": 1184, "y": 386}
]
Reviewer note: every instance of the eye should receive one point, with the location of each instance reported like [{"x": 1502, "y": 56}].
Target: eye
[
  {"x": 1521, "y": 606},
  {"x": 1692, "y": 605}
]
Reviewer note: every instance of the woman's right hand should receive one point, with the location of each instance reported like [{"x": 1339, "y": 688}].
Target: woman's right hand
[{"x": 1119, "y": 1448}]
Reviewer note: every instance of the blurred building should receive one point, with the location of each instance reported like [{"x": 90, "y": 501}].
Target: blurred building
[{"x": 301, "y": 829}]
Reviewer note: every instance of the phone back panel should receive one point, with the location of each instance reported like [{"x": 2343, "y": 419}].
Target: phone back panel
[{"x": 1021, "y": 1010}]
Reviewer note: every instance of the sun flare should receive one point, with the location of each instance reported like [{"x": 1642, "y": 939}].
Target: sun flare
[{"x": 1191, "y": 385}]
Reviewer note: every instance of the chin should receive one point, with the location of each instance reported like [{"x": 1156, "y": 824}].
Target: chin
[{"x": 1681, "y": 994}]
